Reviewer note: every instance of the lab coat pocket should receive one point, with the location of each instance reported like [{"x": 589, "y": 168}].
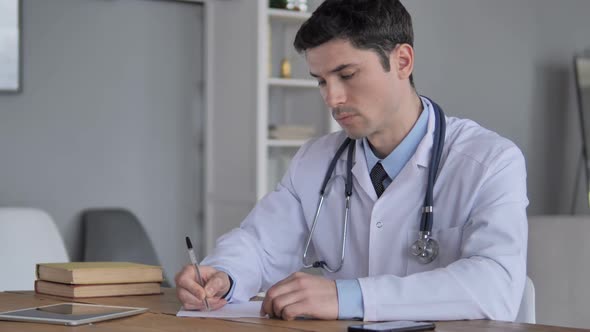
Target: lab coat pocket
[{"x": 449, "y": 242}]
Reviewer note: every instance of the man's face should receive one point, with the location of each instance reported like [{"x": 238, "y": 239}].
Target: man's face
[{"x": 359, "y": 92}]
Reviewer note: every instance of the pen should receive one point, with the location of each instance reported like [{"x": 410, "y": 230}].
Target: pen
[{"x": 191, "y": 254}]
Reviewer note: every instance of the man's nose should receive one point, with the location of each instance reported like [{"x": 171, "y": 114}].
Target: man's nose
[{"x": 334, "y": 95}]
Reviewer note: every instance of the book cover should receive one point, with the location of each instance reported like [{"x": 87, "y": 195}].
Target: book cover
[
  {"x": 100, "y": 290},
  {"x": 83, "y": 273}
]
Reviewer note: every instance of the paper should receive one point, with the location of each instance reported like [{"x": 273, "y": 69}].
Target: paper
[{"x": 231, "y": 310}]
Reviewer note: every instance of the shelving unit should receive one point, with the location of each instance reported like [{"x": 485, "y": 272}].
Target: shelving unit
[
  {"x": 287, "y": 15},
  {"x": 283, "y": 101},
  {"x": 292, "y": 83},
  {"x": 286, "y": 142}
]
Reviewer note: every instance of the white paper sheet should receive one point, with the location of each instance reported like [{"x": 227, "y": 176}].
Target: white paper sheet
[{"x": 231, "y": 310}]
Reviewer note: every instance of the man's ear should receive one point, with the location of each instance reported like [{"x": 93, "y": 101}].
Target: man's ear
[{"x": 402, "y": 60}]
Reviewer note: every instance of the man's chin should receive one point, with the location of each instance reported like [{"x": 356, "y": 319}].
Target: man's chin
[{"x": 354, "y": 134}]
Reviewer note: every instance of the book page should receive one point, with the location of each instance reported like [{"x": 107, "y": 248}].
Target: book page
[{"x": 230, "y": 310}]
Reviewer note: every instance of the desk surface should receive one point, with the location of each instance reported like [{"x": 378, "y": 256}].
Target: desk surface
[{"x": 163, "y": 308}]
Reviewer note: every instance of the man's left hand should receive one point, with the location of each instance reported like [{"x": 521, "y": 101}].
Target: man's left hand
[{"x": 302, "y": 295}]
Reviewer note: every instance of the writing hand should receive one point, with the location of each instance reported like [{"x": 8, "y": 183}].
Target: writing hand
[
  {"x": 302, "y": 295},
  {"x": 192, "y": 295}
]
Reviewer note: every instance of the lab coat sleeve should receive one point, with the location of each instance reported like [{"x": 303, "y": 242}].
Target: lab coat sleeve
[
  {"x": 487, "y": 281},
  {"x": 268, "y": 245}
]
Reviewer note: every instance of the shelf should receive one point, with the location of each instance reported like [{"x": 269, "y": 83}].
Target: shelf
[
  {"x": 286, "y": 142},
  {"x": 292, "y": 83},
  {"x": 288, "y": 15},
  {"x": 283, "y": 101}
]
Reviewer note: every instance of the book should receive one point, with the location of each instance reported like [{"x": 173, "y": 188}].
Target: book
[
  {"x": 99, "y": 290},
  {"x": 290, "y": 132},
  {"x": 83, "y": 273}
]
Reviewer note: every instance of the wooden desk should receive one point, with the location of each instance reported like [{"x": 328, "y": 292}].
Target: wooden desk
[{"x": 163, "y": 308}]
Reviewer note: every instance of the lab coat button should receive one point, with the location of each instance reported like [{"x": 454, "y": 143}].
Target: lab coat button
[{"x": 379, "y": 224}]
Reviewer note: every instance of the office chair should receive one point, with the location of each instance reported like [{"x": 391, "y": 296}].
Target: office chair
[
  {"x": 116, "y": 235},
  {"x": 526, "y": 312},
  {"x": 27, "y": 237}
]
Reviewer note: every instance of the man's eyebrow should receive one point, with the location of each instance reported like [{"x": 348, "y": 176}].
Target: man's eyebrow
[{"x": 335, "y": 70}]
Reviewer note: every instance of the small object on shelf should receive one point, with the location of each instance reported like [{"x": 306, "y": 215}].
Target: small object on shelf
[
  {"x": 285, "y": 68},
  {"x": 297, "y": 5},
  {"x": 281, "y": 4},
  {"x": 290, "y": 132}
]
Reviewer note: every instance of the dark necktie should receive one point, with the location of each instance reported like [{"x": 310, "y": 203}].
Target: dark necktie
[{"x": 377, "y": 175}]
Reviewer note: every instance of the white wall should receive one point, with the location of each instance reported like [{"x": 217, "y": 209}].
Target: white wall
[
  {"x": 508, "y": 65},
  {"x": 231, "y": 164},
  {"x": 108, "y": 116}
]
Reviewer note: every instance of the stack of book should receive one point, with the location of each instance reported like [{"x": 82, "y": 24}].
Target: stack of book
[
  {"x": 96, "y": 279},
  {"x": 290, "y": 132}
]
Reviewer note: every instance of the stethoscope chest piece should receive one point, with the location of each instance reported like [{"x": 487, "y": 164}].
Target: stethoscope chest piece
[{"x": 425, "y": 249}]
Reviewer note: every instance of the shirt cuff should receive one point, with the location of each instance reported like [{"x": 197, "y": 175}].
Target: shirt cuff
[
  {"x": 350, "y": 299},
  {"x": 232, "y": 282}
]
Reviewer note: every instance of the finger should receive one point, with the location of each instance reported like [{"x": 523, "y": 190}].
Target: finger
[
  {"x": 214, "y": 304},
  {"x": 182, "y": 274},
  {"x": 187, "y": 299},
  {"x": 295, "y": 310},
  {"x": 284, "y": 301},
  {"x": 287, "y": 285},
  {"x": 207, "y": 272},
  {"x": 275, "y": 291},
  {"x": 186, "y": 279},
  {"x": 217, "y": 285}
]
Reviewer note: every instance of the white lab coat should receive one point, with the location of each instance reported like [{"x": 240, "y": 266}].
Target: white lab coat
[{"x": 479, "y": 221}]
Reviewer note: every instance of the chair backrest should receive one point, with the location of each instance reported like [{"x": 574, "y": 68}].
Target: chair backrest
[
  {"x": 27, "y": 237},
  {"x": 116, "y": 235},
  {"x": 558, "y": 256},
  {"x": 526, "y": 312}
]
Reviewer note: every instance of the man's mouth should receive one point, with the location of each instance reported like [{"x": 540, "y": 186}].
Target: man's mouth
[{"x": 340, "y": 114}]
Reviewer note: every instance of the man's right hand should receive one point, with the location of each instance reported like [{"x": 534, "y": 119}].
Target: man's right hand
[{"x": 192, "y": 295}]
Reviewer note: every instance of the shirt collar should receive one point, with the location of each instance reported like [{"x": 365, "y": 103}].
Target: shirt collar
[{"x": 400, "y": 156}]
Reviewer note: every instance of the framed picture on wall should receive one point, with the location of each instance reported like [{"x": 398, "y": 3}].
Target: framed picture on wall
[{"x": 10, "y": 46}]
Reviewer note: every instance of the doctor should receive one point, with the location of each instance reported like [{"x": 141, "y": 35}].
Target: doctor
[{"x": 362, "y": 56}]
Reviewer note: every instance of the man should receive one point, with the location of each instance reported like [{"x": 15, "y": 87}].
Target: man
[{"x": 362, "y": 56}]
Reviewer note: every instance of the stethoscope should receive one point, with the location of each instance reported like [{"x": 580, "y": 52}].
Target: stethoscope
[{"x": 425, "y": 248}]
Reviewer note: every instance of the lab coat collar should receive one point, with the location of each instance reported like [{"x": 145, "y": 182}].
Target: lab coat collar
[
  {"x": 359, "y": 169},
  {"x": 422, "y": 156}
]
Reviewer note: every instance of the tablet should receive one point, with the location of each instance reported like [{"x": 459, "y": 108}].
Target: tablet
[{"x": 70, "y": 313}]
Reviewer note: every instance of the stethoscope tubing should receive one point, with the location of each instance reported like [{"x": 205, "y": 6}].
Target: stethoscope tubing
[
  {"x": 427, "y": 219},
  {"x": 439, "y": 135},
  {"x": 350, "y": 143}
]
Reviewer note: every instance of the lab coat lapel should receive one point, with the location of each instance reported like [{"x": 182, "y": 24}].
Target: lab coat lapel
[
  {"x": 415, "y": 169},
  {"x": 361, "y": 172},
  {"x": 423, "y": 153}
]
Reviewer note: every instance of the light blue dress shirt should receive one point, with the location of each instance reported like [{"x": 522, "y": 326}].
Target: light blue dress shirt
[{"x": 350, "y": 297}]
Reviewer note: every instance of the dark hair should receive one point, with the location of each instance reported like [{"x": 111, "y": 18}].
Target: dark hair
[{"x": 377, "y": 25}]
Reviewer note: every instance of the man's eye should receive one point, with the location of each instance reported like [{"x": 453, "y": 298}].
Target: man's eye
[
  {"x": 321, "y": 83},
  {"x": 347, "y": 77}
]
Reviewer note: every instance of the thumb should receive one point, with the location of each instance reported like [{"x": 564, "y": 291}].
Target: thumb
[{"x": 217, "y": 285}]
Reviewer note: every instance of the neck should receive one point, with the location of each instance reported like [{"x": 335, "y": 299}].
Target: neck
[{"x": 400, "y": 123}]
